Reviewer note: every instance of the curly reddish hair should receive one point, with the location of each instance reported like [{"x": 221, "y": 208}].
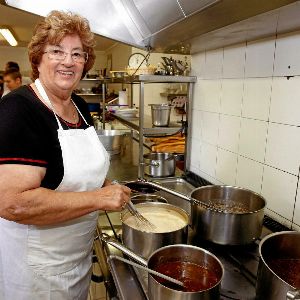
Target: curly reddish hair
[{"x": 52, "y": 29}]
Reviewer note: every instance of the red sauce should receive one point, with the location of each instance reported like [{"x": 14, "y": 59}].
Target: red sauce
[
  {"x": 287, "y": 269},
  {"x": 195, "y": 278}
]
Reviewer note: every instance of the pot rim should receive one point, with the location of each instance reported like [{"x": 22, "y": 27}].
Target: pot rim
[
  {"x": 193, "y": 247},
  {"x": 167, "y": 205},
  {"x": 233, "y": 187},
  {"x": 267, "y": 237}
]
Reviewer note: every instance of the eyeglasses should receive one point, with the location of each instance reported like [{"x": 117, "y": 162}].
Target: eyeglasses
[{"x": 77, "y": 56}]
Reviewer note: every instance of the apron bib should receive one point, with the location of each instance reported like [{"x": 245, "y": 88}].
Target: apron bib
[{"x": 54, "y": 261}]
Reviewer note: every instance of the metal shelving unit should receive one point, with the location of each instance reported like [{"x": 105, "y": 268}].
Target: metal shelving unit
[{"x": 143, "y": 124}]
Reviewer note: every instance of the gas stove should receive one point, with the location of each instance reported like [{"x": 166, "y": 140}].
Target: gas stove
[{"x": 240, "y": 262}]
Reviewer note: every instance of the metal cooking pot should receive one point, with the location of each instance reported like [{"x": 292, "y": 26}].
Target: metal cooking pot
[
  {"x": 186, "y": 256},
  {"x": 111, "y": 140},
  {"x": 159, "y": 164},
  {"x": 141, "y": 198},
  {"x": 279, "y": 253},
  {"x": 224, "y": 227},
  {"x": 237, "y": 226},
  {"x": 144, "y": 243},
  {"x": 160, "y": 114}
]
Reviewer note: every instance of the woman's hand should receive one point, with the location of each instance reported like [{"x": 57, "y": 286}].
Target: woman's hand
[{"x": 113, "y": 197}]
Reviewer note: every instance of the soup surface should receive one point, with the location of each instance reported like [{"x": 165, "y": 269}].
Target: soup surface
[
  {"x": 287, "y": 269},
  {"x": 195, "y": 278},
  {"x": 165, "y": 220}
]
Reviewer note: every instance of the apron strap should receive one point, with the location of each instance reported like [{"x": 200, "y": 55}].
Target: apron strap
[{"x": 45, "y": 97}]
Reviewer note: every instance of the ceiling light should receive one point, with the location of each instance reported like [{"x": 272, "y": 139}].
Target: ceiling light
[{"x": 7, "y": 34}]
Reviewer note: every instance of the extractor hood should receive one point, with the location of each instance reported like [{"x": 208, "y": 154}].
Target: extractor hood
[{"x": 162, "y": 25}]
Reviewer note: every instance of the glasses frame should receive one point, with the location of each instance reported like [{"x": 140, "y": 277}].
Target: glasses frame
[{"x": 65, "y": 55}]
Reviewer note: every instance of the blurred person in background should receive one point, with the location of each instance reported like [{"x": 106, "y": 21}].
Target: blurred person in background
[{"x": 12, "y": 79}]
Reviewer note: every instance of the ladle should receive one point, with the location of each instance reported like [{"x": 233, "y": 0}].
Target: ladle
[{"x": 147, "y": 269}]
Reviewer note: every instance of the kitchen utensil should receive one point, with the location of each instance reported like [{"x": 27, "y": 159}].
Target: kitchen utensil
[
  {"x": 145, "y": 242},
  {"x": 139, "y": 218},
  {"x": 279, "y": 266},
  {"x": 238, "y": 224},
  {"x": 160, "y": 114},
  {"x": 147, "y": 270},
  {"x": 185, "y": 256},
  {"x": 158, "y": 164}
]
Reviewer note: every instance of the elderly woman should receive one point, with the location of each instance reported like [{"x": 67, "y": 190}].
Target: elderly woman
[{"x": 52, "y": 170}]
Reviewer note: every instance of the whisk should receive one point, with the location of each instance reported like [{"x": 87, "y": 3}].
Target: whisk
[{"x": 139, "y": 218}]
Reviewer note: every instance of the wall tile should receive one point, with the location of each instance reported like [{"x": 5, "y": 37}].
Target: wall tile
[
  {"x": 210, "y": 179},
  {"x": 213, "y": 64},
  {"x": 226, "y": 166},
  {"x": 234, "y": 61},
  {"x": 196, "y": 124},
  {"x": 253, "y": 135},
  {"x": 198, "y": 65},
  {"x": 285, "y": 104},
  {"x": 260, "y": 58},
  {"x": 229, "y": 130},
  {"x": 210, "y": 95},
  {"x": 249, "y": 174},
  {"x": 195, "y": 153},
  {"x": 231, "y": 96},
  {"x": 283, "y": 147},
  {"x": 208, "y": 158},
  {"x": 209, "y": 123},
  {"x": 297, "y": 208},
  {"x": 256, "y": 99},
  {"x": 279, "y": 189},
  {"x": 277, "y": 217},
  {"x": 287, "y": 51}
]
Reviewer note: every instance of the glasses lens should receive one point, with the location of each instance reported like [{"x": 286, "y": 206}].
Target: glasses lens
[{"x": 79, "y": 56}]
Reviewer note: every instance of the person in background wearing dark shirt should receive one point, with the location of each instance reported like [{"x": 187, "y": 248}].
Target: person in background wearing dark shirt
[
  {"x": 12, "y": 78},
  {"x": 52, "y": 170}
]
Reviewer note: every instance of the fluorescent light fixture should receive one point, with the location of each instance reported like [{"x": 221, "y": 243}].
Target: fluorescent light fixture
[{"x": 8, "y": 36}]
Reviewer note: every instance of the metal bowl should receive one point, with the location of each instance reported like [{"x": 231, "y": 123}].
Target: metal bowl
[
  {"x": 111, "y": 140},
  {"x": 141, "y": 198}
]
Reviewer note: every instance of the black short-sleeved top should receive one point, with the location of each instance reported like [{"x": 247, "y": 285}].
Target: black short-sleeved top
[{"x": 28, "y": 133}]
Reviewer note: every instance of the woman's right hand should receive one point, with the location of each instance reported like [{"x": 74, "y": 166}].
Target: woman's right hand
[{"x": 113, "y": 197}]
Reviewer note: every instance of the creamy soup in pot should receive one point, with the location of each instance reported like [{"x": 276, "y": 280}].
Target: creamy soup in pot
[{"x": 164, "y": 219}]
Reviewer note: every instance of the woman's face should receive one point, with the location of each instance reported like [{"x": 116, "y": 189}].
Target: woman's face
[{"x": 61, "y": 76}]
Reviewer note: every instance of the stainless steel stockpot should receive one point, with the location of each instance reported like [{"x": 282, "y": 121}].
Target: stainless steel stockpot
[
  {"x": 159, "y": 164},
  {"x": 279, "y": 245},
  {"x": 177, "y": 253},
  {"x": 228, "y": 227},
  {"x": 144, "y": 243}
]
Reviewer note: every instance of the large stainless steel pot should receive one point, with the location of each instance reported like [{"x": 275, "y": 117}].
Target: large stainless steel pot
[
  {"x": 241, "y": 224},
  {"x": 224, "y": 227},
  {"x": 186, "y": 255},
  {"x": 159, "y": 164},
  {"x": 144, "y": 243},
  {"x": 160, "y": 114},
  {"x": 273, "y": 273},
  {"x": 111, "y": 140}
]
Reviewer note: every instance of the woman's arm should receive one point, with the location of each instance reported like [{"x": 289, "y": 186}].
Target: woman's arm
[{"x": 24, "y": 201}]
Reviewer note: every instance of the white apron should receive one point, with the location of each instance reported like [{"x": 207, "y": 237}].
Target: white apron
[{"x": 53, "y": 262}]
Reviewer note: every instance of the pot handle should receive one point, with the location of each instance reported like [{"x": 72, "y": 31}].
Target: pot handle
[
  {"x": 111, "y": 241},
  {"x": 293, "y": 295},
  {"x": 154, "y": 164}
]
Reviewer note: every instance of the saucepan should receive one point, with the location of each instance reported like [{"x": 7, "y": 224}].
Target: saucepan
[
  {"x": 171, "y": 227},
  {"x": 278, "y": 275},
  {"x": 200, "y": 271},
  {"x": 226, "y": 215}
]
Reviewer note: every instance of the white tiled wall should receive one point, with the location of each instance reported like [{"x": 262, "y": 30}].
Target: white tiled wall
[{"x": 247, "y": 98}]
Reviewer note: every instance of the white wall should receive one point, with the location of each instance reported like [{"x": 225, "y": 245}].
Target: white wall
[{"x": 246, "y": 118}]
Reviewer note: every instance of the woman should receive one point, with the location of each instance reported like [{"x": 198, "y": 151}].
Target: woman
[{"x": 52, "y": 170}]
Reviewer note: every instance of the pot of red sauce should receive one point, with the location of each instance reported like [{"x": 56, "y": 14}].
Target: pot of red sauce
[
  {"x": 200, "y": 271},
  {"x": 278, "y": 275}
]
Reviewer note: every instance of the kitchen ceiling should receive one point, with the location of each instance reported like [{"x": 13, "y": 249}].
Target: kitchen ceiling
[{"x": 22, "y": 24}]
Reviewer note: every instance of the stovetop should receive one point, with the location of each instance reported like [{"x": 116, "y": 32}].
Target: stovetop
[{"x": 240, "y": 267}]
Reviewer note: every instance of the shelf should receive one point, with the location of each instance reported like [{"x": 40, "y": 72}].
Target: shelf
[
  {"x": 172, "y": 95},
  {"x": 91, "y": 79},
  {"x": 148, "y": 130}
]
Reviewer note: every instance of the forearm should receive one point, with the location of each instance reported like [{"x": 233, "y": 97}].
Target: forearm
[{"x": 42, "y": 206}]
